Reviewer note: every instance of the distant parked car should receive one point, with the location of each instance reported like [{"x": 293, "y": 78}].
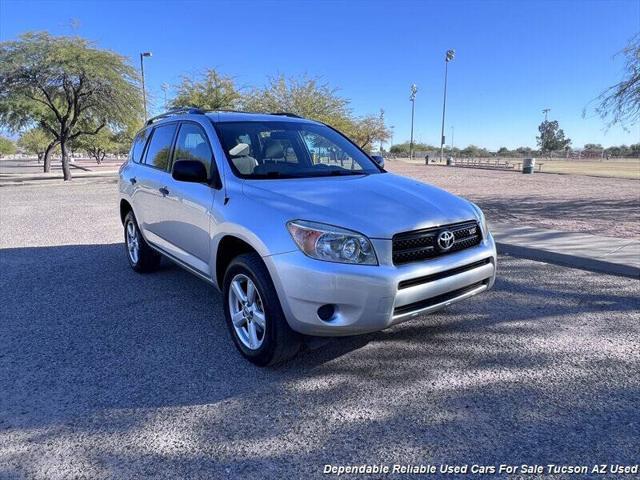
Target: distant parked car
[{"x": 302, "y": 231}]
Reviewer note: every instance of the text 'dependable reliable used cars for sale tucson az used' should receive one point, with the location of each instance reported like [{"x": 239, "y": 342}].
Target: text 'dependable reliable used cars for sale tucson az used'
[{"x": 302, "y": 231}]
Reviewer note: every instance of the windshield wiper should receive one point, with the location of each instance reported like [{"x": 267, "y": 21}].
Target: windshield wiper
[
  {"x": 344, "y": 173},
  {"x": 273, "y": 174}
]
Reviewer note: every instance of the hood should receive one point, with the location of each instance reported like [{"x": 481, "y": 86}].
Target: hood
[{"x": 378, "y": 205}]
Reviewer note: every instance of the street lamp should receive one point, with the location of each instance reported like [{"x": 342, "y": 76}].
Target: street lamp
[
  {"x": 448, "y": 57},
  {"x": 144, "y": 93},
  {"x": 452, "y": 130},
  {"x": 412, "y": 98}
]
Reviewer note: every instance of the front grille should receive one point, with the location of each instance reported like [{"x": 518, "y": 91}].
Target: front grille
[
  {"x": 422, "y": 244},
  {"x": 445, "y": 297}
]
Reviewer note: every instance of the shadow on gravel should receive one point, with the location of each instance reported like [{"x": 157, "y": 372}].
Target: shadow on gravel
[
  {"x": 622, "y": 216},
  {"x": 96, "y": 360}
]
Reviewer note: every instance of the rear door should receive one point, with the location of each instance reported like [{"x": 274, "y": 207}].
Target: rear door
[
  {"x": 153, "y": 183},
  {"x": 188, "y": 205}
]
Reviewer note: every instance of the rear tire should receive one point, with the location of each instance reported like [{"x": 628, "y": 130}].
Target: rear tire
[
  {"x": 256, "y": 321},
  {"x": 141, "y": 256}
]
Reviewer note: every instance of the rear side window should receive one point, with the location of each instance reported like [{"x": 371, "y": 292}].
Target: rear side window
[
  {"x": 192, "y": 144},
  {"x": 159, "y": 150},
  {"x": 138, "y": 146}
]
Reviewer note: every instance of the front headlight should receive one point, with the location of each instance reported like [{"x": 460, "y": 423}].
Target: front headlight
[
  {"x": 481, "y": 219},
  {"x": 332, "y": 244}
]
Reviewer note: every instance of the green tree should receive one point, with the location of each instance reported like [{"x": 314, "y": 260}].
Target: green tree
[
  {"x": 97, "y": 146},
  {"x": 7, "y": 147},
  {"x": 368, "y": 130},
  {"x": 212, "y": 91},
  {"x": 475, "y": 151},
  {"x": 551, "y": 137},
  {"x": 594, "y": 147},
  {"x": 67, "y": 87},
  {"x": 35, "y": 141},
  {"x": 304, "y": 96},
  {"x": 504, "y": 152},
  {"x": 403, "y": 148},
  {"x": 311, "y": 98},
  {"x": 524, "y": 151},
  {"x": 620, "y": 103}
]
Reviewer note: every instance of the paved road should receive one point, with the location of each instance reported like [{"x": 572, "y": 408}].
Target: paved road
[{"x": 107, "y": 373}]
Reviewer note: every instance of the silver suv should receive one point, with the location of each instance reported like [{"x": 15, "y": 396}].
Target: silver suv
[{"x": 302, "y": 232}]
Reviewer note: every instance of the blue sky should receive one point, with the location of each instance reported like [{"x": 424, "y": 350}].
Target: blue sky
[{"x": 513, "y": 58}]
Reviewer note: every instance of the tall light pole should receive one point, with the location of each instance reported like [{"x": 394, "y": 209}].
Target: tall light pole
[
  {"x": 452, "y": 130},
  {"x": 542, "y": 134},
  {"x": 448, "y": 57},
  {"x": 412, "y": 98},
  {"x": 144, "y": 93},
  {"x": 165, "y": 87}
]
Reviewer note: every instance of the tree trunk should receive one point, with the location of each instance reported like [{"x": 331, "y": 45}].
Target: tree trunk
[
  {"x": 66, "y": 171},
  {"x": 47, "y": 156}
]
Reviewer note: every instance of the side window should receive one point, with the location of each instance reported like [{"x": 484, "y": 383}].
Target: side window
[
  {"x": 192, "y": 144},
  {"x": 159, "y": 151},
  {"x": 135, "y": 154}
]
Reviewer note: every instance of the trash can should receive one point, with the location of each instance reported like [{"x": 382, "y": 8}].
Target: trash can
[
  {"x": 450, "y": 161},
  {"x": 528, "y": 164}
]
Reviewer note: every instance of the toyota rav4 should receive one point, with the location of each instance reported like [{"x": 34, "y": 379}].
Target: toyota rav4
[{"x": 301, "y": 231}]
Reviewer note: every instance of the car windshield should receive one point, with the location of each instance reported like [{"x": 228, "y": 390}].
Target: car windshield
[{"x": 280, "y": 149}]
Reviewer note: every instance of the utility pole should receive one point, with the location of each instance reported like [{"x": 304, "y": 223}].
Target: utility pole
[
  {"x": 448, "y": 57},
  {"x": 144, "y": 93},
  {"x": 412, "y": 98}
]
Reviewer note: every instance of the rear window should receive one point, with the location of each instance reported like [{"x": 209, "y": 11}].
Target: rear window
[
  {"x": 138, "y": 146},
  {"x": 159, "y": 150}
]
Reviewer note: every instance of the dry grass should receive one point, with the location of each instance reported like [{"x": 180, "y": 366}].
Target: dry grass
[
  {"x": 615, "y": 168},
  {"x": 612, "y": 168}
]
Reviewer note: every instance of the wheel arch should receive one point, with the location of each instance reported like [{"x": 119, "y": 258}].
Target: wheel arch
[
  {"x": 229, "y": 247},
  {"x": 125, "y": 208}
]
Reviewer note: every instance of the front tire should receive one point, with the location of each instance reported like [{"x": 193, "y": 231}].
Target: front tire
[
  {"x": 254, "y": 314},
  {"x": 142, "y": 258}
]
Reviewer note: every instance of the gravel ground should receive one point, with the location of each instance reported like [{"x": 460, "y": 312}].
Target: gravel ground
[
  {"x": 105, "y": 373},
  {"x": 575, "y": 203}
]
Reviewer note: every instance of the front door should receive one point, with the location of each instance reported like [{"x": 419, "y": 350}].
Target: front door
[{"x": 188, "y": 205}]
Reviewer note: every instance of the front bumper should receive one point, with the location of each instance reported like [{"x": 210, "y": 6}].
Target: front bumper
[{"x": 371, "y": 298}]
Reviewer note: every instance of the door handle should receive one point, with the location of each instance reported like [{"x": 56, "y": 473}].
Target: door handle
[
  {"x": 133, "y": 180},
  {"x": 164, "y": 191}
]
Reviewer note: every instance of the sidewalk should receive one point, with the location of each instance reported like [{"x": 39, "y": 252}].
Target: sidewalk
[
  {"x": 27, "y": 178},
  {"x": 579, "y": 250}
]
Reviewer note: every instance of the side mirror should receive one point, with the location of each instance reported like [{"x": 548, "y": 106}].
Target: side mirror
[
  {"x": 379, "y": 159},
  {"x": 189, "y": 171}
]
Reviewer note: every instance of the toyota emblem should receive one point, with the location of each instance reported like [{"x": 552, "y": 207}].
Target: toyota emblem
[{"x": 445, "y": 240}]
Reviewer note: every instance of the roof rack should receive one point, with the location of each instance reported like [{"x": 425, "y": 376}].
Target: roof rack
[
  {"x": 285, "y": 114},
  {"x": 175, "y": 111}
]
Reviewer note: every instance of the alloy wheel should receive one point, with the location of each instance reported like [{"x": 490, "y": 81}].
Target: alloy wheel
[
  {"x": 133, "y": 242},
  {"x": 247, "y": 311}
]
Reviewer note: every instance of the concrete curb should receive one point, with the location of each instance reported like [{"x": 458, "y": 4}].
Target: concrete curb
[{"x": 566, "y": 260}]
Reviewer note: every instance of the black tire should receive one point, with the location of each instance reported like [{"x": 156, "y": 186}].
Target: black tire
[
  {"x": 148, "y": 259},
  {"x": 279, "y": 342}
]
